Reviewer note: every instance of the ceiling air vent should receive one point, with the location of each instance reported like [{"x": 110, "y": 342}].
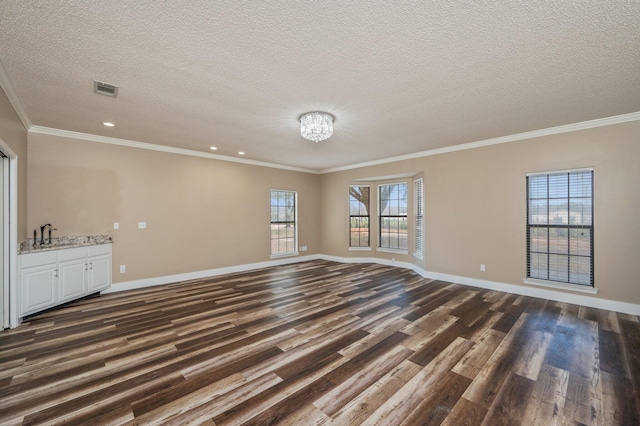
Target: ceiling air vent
[{"x": 105, "y": 89}]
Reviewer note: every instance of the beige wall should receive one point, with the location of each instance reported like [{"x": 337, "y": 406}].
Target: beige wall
[
  {"x": 201, "y": 214},
  {"x": 14, "y": 134},
  {"x": 196, "y": 208},
  {"x": 475, "y": 209}
]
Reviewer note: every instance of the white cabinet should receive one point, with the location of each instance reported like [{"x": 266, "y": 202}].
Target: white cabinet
[
  {"x": 38, "y": 275},
  {"x": 99, "y": 266},
  {"x": 72, "y": 271},
  {"x": 49, "y": 278}
]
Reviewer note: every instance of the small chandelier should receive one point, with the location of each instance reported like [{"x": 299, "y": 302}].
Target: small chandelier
[{"x": 316, "y": 126}]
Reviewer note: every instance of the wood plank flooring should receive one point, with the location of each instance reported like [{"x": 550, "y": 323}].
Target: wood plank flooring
[{"x": 321, "y": 343}]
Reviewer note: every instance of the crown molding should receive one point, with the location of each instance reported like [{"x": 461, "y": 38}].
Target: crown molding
[
  {"x": 7, "y": 86},
  {"x": 10, "y": 91},
  {"x": 161, "y": 148},
  {"x": 600, "y": 122}
]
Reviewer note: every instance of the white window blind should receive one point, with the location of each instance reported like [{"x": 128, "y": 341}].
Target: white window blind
[
  {"x": 560, "y": 226},
  {"x": 419, "y": 209}
]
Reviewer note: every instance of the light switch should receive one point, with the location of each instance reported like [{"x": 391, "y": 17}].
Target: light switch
[
  {"x": 142, "y": 225},
  {"x": 116, "y": 225}
]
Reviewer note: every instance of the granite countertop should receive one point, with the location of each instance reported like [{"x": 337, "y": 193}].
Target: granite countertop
[{"x": 64, "y": 243}]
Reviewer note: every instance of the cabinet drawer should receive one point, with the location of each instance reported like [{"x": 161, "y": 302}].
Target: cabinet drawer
[
  {"x": 72, "y": 254},
  {"x": 99, "y": 249},
  {"x": 38, "y": 259}
]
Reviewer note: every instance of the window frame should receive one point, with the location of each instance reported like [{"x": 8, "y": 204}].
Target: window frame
[
  {"x": 571, "y": 228},
  {"x": 294, "y": 222},
  {"x": 399, "y": 216},
  {"x": 359, "y": 216},
  {"x": 418, "y": 197}
]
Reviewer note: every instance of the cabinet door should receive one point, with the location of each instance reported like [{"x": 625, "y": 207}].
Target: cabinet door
[
  {"x": 38, "y": 288},
  {"x": 72, "y": 279},
  {"x": 99, "y": 272}
]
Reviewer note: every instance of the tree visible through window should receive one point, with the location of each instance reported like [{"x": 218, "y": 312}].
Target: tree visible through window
[
  {"x": 358, "y": 216},
  {"x": 393, "y": 216},
  {"x": 283, "y": 222},
  {"x": 560, "y": 227}
]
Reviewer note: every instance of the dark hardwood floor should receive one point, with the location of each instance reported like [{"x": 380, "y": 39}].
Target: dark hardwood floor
[{"x": 321, "y": 343}]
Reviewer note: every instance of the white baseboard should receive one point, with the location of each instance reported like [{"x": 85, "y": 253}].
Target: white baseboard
[
  {"x": 543, "y": 293},
  {"x": 387, "y": 262},
  {"x": 169, "y": 279}
]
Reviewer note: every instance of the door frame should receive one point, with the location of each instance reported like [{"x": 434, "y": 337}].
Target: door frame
[{"x": 10, "y": 287}]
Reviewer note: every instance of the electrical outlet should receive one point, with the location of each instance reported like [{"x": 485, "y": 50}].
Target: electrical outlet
[
  {"x": 142, "y": 225},
  {"x": 303, "y": 248},
  {"x": 123, "y": 269},
  {"x": 482, "y": 267},
  {"x": 116, "y": 225}
]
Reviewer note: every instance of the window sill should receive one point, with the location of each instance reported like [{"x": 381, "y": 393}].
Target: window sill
[
  {"x": 563, "y": 286},
  {"x": 360, "y": 248},
  {"x": 279, "y": 255},
  {"x": 388, "y": 250}
]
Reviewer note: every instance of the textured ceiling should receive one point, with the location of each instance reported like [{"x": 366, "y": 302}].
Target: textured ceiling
[{"x": 400, "y": 77}]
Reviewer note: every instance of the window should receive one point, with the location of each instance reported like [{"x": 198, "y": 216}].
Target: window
[
  {"x": 358, "y": 216},
  {"x": 560, "y": 227},
  {"x": 419, "y": 199},
  {"x": 283, "y": 223},
  {"x": 393, "y": 216}
]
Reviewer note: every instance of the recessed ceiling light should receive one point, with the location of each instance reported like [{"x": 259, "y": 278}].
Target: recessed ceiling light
[
  {"x": 241, "y": 152},
  {"x": 108, "y": 124},
  {"x": 213, "y": 148}
]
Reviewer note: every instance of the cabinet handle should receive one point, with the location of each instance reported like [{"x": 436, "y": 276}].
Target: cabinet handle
[
  {"x": 91, "y": 265},
  {"x": 85, "y": 267},
  {"x": 55, "y": 272}
]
